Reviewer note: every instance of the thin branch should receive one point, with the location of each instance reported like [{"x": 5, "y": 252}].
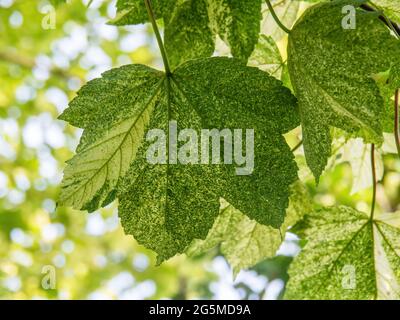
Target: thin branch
[
  {"x": 373, "y": 182},
  {"x": 158, "y": 36},
  {"x": 279, "y": 23},
  {"x": 396, "y": 121}
]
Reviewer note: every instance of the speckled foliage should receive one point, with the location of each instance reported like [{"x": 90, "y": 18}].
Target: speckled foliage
[
  {"x": 191, "y": 26},
  {"x": 331, "y": 70},
  {"x": 346, "y": 256},
  {"x": 167, "y": 206}
]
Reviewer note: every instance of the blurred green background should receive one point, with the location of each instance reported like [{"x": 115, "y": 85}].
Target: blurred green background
[{"x": 41, "y": 68}]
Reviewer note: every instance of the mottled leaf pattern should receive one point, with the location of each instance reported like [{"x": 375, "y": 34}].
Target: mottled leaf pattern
[
  {"x": 346, "y": 256},
  {"x": 244, "y": 242}
]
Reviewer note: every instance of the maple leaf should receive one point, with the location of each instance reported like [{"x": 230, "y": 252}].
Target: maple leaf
[{"x": 166, "y": 206}]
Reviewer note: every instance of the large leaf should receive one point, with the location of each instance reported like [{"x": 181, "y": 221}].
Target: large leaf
[
  {"x": 347, "y": 256},
  {"x": 191, "y": 26},
  {"x": 331, "y": 70},
  {"x": 166, "y": 206},
  {"x": 243, "y": 241}
]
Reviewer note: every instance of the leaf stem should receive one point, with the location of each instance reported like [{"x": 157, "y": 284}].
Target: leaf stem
[
  {"x": 373, "y": 181},
  {"x": 279, "y": 23},
  {"x": 396, "y": 121},
  {"x": 150, "y": 12}
]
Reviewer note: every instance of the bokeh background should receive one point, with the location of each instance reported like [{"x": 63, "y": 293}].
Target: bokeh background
[{"x": 41, "y": 69}]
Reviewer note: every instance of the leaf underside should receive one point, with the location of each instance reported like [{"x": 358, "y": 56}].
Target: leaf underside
[{"x": 331, "y": 69}]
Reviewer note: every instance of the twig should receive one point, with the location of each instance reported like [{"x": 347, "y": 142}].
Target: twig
[
  {"x": 373, "y": 182},
  {"x": 158, "y": 36}
]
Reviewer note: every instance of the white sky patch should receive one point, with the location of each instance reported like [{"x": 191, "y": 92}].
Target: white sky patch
[
  {"x": 142, "y": 290},
  {"x": 22, "y": 258},
  {"x": 20, "y": 237},
  {"x": 6, "y": 3},
  {"x": 51, "y": 232},
  {"x": 122, "y": 281},
  {"x": 141, "y": 262},
  {"x": 133, "y": 41},
  {"x": 95, "y": 57},
  {"x": 25, "y": 93},
  {"x": 22, "y": 181}
]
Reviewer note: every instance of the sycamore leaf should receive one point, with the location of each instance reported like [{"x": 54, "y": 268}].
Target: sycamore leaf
[
  {"x": 266, "y": 57},
  {"x": 331, "y": 70},
  {"x": 244, "y": 242},
  {"x": 167, "y": 204},
  {"x": 191, "y": 26},
  {"x": 346, "y": 256}
]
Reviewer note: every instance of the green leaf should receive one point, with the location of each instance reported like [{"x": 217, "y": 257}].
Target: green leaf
[
  {"x": 191, "y": 26},
  {"x": 347, "y": 256},
  {"x": 331, "y": 70},
  {"x": 166, "y": 206},
  {"x": 244, "y": 242}
]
